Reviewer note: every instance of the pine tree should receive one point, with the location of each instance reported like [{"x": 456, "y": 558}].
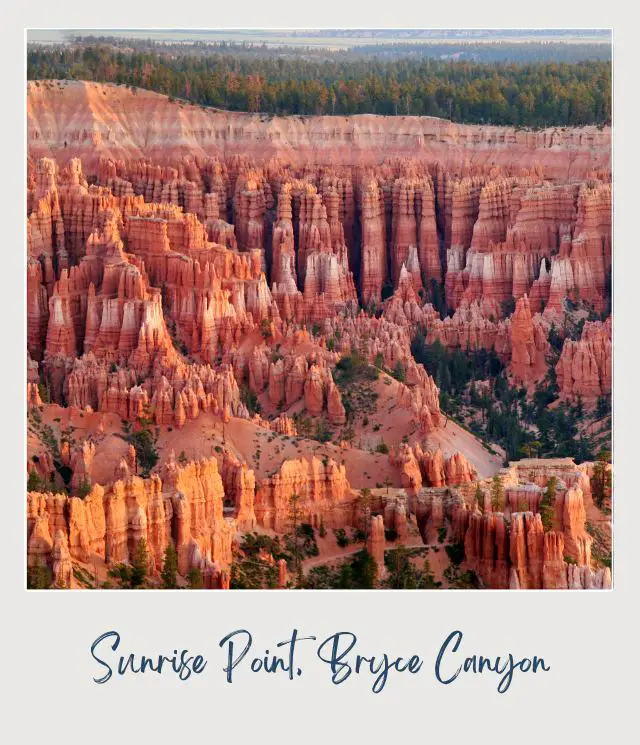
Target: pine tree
[
  {"x": 194, "y": 578},
  {"x": 38, "y": 577},
  {"x": 497, "y": 493},
  {"x": 170, "y": 567},
  {"x": 428, "y": 578},
  {"x": 401, "y": 570},
  {"x": 139, "y": 564},
  {"x": 601, "y": 479},
  {"x": 85, "y": 488},
  {"x": 474, "y": 92},
  {"x": 367, "y": 570},
  {"x": 345, "y": 581},
  {"x": 35, "y": 482},
  {"x": 548, "y": 504}
]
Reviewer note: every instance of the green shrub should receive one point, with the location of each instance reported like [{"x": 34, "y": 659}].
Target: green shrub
[
  {"x": 398, "y": 371},
  {"x": 194, "y": 578},
  {"x": 547, "y": 506},
  {"x": 250, "y": 400},
  {"x": 44, "y": 393},
  {"x": 455, "y": 552},
  {"x": 39, "y": 577},
  {"x": 170, "y": 567},
  {"x": 84, "y": 489},
  {"x": 145, "y": 446},
  {"x": 341, "y": 537},
  {"x": 35, "y": 482}
]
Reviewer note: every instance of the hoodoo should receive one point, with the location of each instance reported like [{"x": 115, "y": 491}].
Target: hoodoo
[{"x": 282, "y": 351}]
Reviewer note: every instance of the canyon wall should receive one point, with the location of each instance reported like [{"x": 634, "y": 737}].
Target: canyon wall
[{"x": 186, "y": 264}]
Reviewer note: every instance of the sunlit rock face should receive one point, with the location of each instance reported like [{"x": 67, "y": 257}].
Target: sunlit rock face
[{"x": 198, "y": 278}]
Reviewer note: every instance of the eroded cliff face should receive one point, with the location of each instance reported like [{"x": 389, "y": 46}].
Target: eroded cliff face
[
  {"x": 512, "y": 549},
  {"x": 322, "y": 488},
  {"x": 585, "y": 366},
  {"x": 90, "y": 124},
  {"x": 420, "y": 467},
  {"x": 205, "y": 272},
  {"x": 184, "y": 506},
  {"x": 509, "y": 548}
]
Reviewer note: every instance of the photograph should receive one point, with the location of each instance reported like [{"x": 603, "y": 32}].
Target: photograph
[{"x": 318, "y": 309}]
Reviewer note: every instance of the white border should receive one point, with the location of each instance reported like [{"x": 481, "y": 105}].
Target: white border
[{"x": 586, "y": 637}]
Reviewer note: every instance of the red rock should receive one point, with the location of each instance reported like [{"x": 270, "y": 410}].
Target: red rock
[
  {"x": 376, "y": 543},
  {"x": 110, "y": 525},
  {"x": 249, "y": 208},
  {"x": 404, "y": 229},
  {"x": 33, "y": 396},
  {"x": 540, "y": 289},
  {"x": 395, "y": 518},
  {"x": 315, "y": 390},
  {"x": 374, "y": 255},
  {"x": 239, "y": 486},
  {"x": 554, "y": 567},
  {"x": 428, "y": 241},
  {"x": 433, "y": 465},
  {"x": 591, "y": 245},
  {"x": 571, "y": 517},
  {"x": 526, "y": 550},
  {"x": 561, "y": 154},
  {"x": 148, "y": 297},
  {"x": 462, "y": 203},
  {"x": 410, "y": 473},
  {"x": 458, "y": 470},
  {"x": 282, "y": 573},
  {"x": 562, "y": 284},
  {"x": 493, "y": 214},
  {"x": 486, "y": 548},
  {"x": 320, "y": 393},
  {"x": 37, "y": 309},
  {"x": 327, "y": 287},
  {"x": 81, "y": 464},
  {"x": 284, "y": 426},
  {"x": 584, "y": 578},
  {"x": 322, "y": 487},
  {"x": 528, "y": 348},
  {"x": 584, "y": 367},
  {"x": 283, "y": 250},
  {"x": 335, "y": 410}
]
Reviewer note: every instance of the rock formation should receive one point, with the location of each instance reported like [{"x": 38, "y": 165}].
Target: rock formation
[
  {"x": 376, "y": 543},
  {"x": 584, "y": 367},
  {"x": 322, "y": 489},
  {"x": 195, "y": 276},
  {"x": 186, "y": 507}
]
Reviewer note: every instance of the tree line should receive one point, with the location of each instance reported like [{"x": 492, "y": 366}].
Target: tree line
[
  {"x": 476, "y": 50},
  {"x": 504, "y": 93}
]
